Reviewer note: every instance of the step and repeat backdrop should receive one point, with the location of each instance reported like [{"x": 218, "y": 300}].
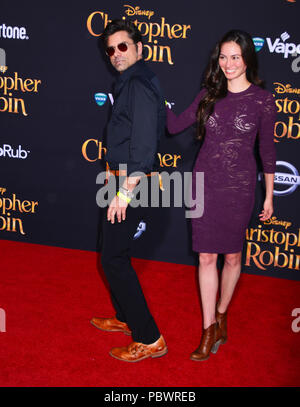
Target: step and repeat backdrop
[{"x": 56, "y": 93}]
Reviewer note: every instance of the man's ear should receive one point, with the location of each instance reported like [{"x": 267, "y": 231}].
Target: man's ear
[{"x": 139, "y": 49}]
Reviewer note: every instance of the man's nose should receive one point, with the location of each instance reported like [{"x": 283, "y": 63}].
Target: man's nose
[{"x": 117, "y": 52}]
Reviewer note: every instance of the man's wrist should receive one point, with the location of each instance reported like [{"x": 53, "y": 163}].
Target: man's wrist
[
  {"x": 126, "y": 192},
  {"x": 123, "y": 197}
]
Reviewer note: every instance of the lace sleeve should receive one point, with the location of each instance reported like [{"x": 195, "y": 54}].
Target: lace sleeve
[
  {"x": 177, "y": 124},
  {"x": 266, "y": 134}
]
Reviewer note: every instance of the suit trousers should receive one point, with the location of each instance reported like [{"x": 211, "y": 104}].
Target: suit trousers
[{"x": 126, "y": 292}]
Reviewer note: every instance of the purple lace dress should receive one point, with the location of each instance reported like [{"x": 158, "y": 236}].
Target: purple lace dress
[{"x": 227, "y": 160}]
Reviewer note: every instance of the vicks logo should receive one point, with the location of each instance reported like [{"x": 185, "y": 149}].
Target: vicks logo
[
  {"x": 101, "y": 98},
  {"x": 258, "y": 43}
]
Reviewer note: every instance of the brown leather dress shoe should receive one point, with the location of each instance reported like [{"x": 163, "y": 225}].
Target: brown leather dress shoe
[
  {"x": 137, "y": 351},
  {"x": 210, "y": 342},
  {"x": 222, "y": 321},
  {"x": 111, "y": 325}
]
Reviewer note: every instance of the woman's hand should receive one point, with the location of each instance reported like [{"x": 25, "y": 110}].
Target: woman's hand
[{"x": 267, "y": 212}]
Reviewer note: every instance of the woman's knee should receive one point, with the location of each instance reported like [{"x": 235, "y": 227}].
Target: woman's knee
[
  {"x": 233, "y": 259},
  {"x": 207, "y": 259}
]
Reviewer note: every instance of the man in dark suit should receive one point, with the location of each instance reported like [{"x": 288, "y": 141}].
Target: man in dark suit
[{"x": 133, "y": 134}]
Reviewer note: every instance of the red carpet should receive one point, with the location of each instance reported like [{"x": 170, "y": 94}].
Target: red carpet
[{"x": 49, "y": 295}]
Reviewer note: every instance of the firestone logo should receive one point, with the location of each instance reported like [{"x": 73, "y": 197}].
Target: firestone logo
[
  {"x": 8, "y": 151},
  {"x": 13, "y": 33}
]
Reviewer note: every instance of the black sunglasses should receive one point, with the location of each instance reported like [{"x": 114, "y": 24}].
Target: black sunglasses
[{"x": 123, "y": 47}]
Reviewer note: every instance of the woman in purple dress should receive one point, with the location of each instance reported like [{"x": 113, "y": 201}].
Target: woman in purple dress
[{"x": 230, "y": 111}]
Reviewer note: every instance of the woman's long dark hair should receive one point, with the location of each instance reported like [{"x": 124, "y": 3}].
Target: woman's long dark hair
[{"x": 215, "y": 81}]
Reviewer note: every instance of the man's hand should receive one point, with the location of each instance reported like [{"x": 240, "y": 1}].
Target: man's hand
[{"x": 117, "y": 207}]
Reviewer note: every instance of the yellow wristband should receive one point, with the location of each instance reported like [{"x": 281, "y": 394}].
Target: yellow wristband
[{"x": 123, "y": 197}]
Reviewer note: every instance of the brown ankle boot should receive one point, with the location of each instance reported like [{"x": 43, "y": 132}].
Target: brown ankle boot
[
  {"x": 210, "y": 342},
  {"x": 222, "y": 321}
]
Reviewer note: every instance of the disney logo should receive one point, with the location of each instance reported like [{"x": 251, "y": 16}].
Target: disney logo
[
  {"x": 285, "y": 88},
  {"x": 132, "y": 11},
  {"x": 274, "y": 221}
]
